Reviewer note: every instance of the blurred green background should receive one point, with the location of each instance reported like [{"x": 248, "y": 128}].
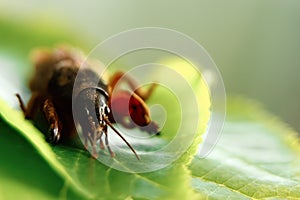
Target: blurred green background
[{"x": 255, "y": 44}]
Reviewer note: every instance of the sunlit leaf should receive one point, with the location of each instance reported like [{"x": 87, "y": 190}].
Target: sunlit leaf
[{"x": 257, "y": 157}]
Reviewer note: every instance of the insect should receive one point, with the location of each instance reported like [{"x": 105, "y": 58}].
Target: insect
[{"x": 52, "y": 87}]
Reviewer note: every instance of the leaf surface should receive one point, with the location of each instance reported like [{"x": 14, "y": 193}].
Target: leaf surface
[{"x": 256, "y": 157}]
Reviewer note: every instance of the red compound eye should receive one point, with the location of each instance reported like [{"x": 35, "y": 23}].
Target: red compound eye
[
  {"x": 125, "y": 105},
  {"x": 138, "y": 112}
]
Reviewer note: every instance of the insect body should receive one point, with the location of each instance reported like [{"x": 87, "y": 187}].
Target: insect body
[{"x": 52, "y": 88}]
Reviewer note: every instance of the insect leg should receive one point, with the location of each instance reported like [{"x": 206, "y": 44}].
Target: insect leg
[
  {"x": 112, "y": 154},
  {"x": 32, "y": 106},
  {"x": 52, "y": 118},
  {"x": 93, "y": 137},
  {"x": 100, "y": 139},
  {"x": 142, "y": 114},
  {"x": 93, "y": 144},
  {"x": 85, "y": 142},
  {"x": 120, "y": 135},
  {"x": 131, "y": 82}
]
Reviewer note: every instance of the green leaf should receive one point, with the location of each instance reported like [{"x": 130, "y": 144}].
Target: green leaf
[
  {"x": 25, "y": 174},
  {"x": 86, "y": 176},
  {"x": 66, "y": 172},
  {"x": 257, "y": 157}
]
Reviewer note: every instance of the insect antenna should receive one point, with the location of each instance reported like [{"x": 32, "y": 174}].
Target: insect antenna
[{"x": 120, "y": 135}]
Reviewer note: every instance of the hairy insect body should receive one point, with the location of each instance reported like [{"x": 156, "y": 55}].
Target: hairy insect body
[{"x": 58, "y": 78}]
